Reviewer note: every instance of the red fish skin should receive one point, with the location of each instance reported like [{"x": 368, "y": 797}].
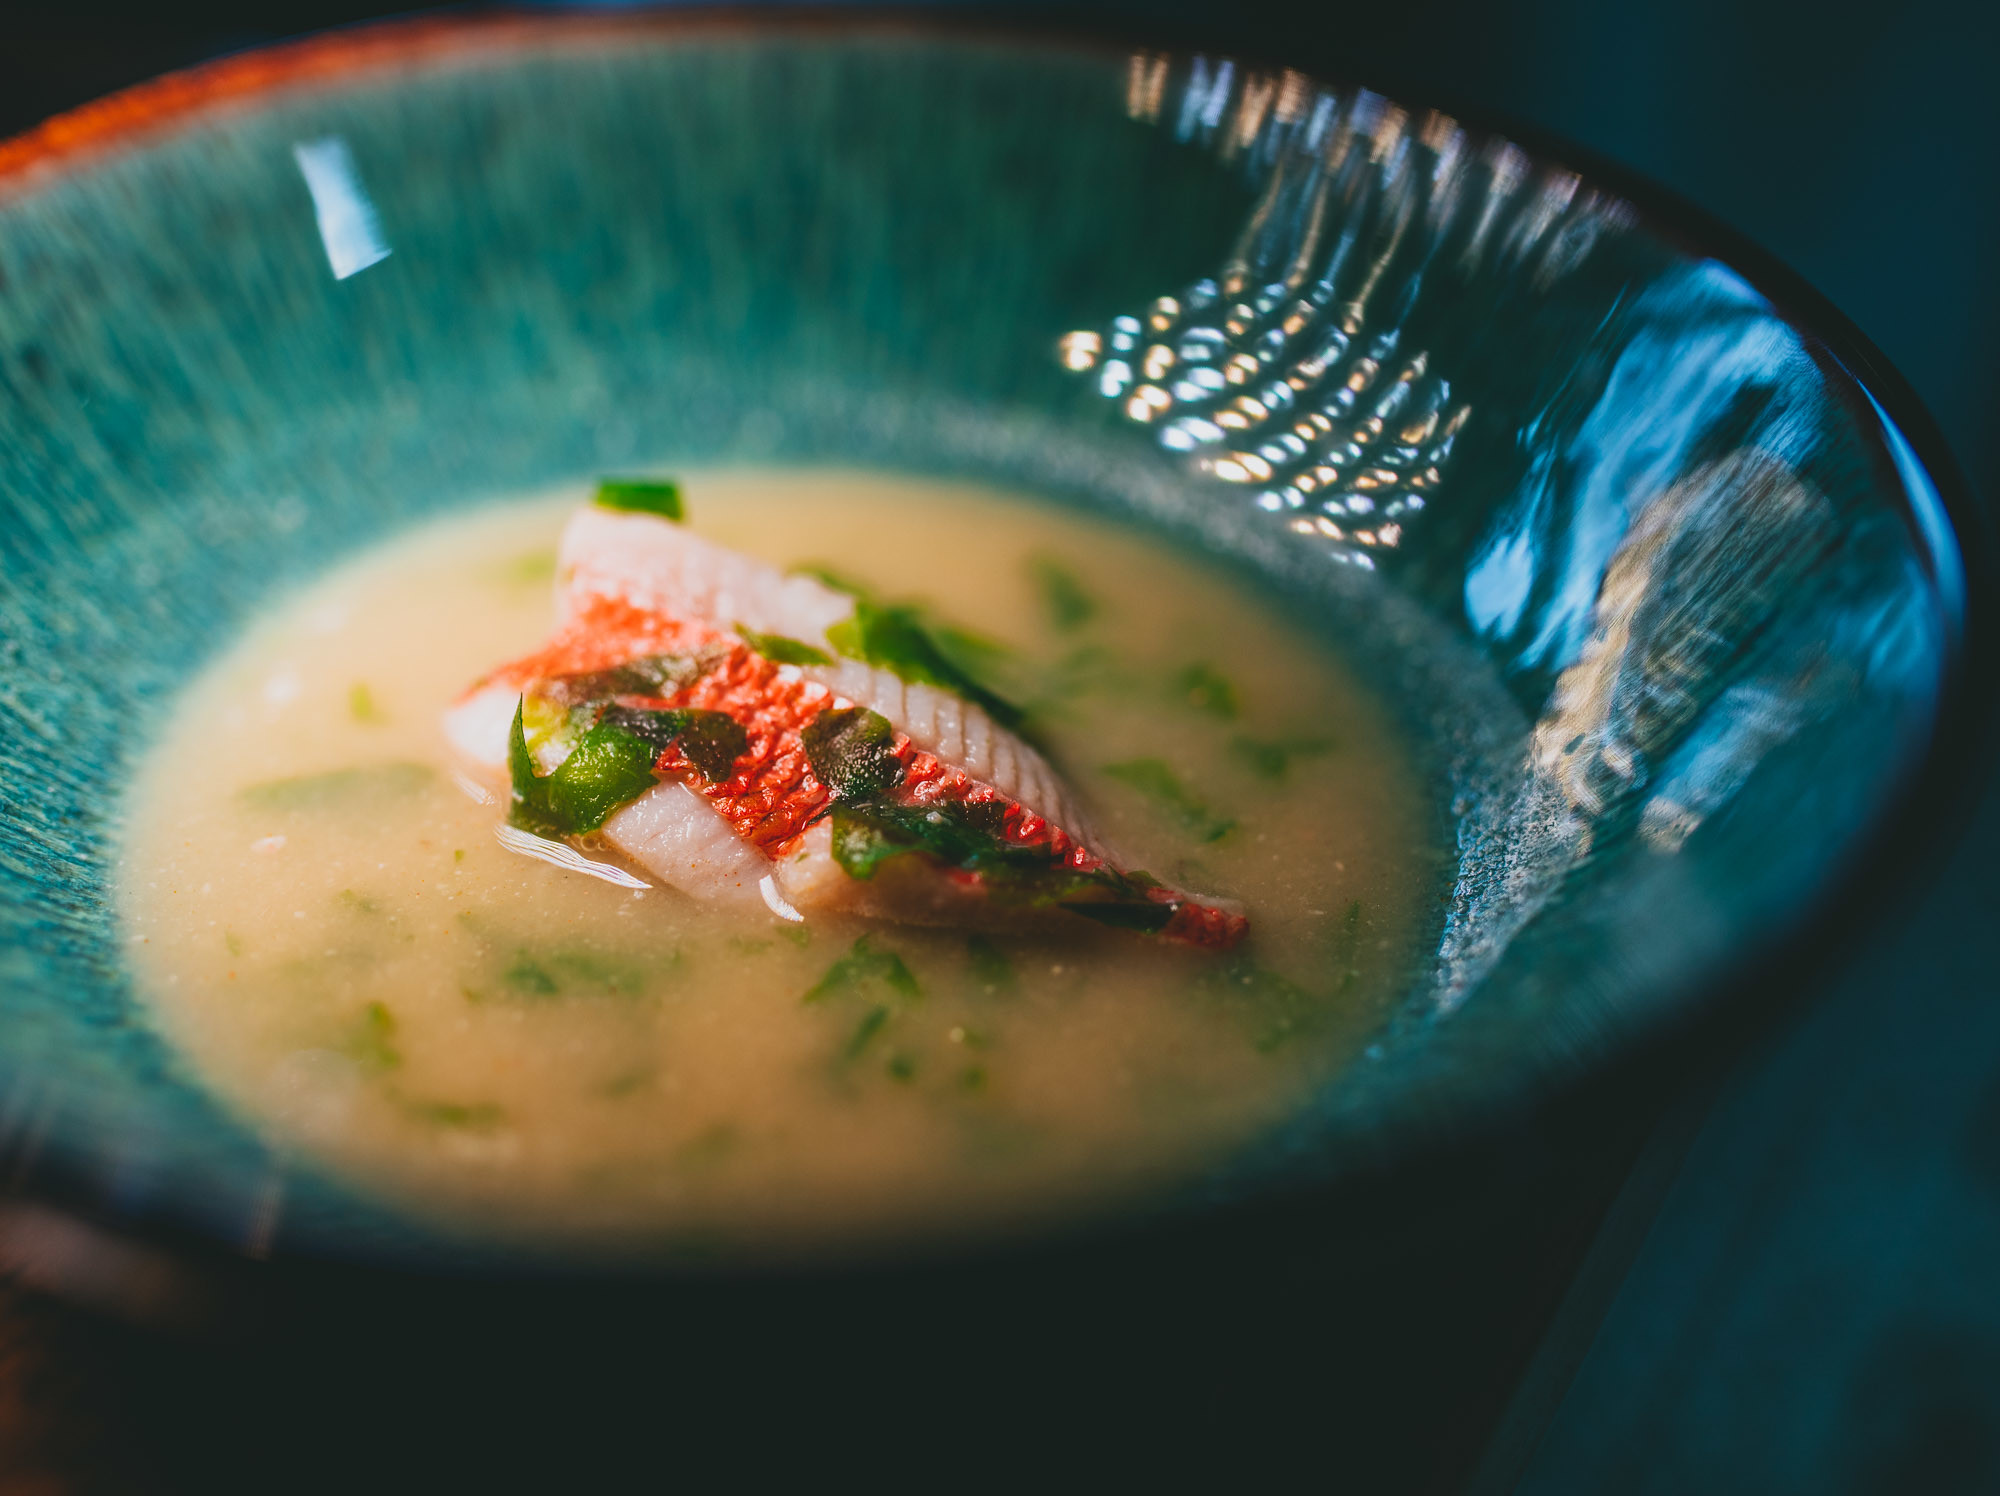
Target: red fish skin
[{"x": 772, "y": 796}]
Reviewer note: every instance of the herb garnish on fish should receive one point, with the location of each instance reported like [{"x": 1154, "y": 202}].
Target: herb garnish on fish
[
  {"x": 613, "y": 762},
  {"x": 852, "y": 751},
  {"x": 780, "y": 650},
  {"x": 659, "y": 497}
]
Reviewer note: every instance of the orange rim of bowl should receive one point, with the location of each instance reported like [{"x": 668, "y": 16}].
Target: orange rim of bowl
[{"x": 131, "y": 115}]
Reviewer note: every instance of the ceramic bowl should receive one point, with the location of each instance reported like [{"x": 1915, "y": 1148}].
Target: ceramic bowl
[{"x": 1659, "y": 565}]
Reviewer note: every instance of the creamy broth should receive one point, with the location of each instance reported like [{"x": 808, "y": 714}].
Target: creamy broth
[{"x": 326, "y": 928}]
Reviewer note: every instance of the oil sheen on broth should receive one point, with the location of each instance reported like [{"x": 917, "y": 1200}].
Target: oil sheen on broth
[{"x": 327, "y": 929}]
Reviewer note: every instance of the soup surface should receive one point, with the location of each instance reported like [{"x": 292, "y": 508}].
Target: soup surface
[{"x": 327, "y": 929}]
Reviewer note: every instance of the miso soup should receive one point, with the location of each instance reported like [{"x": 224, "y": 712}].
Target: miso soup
[{"x": 333, "y": 924}]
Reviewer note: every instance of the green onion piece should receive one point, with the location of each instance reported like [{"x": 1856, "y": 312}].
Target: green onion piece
[
  {"x": 896, "y": 638},
  {"x": 864, "y": 966},
  {"x": 1272, "y": 758},
  {"x": 338, "y": 788},
  {"x": 1152, "y": 778},
  {"x": 780, "y": 650},
  {"x": 1206, "y": 689},
  {"x": 1065, "y": 603},
  {"x": 658, "y": 497}
]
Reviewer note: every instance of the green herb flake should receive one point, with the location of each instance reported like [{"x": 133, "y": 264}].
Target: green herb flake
[
  {"x": 613, "y": 763},
  {"x": 658, "y": 497},
  {"x": 864, "y": 966},
  {"x": 361, "y": 705},
  {"x": 1065, "y": 602},
  {"x": 780, "y": 650},
  {"x": 799, "y": 935},
  {"x": 1205, "y": 689},
  {"x": 853, "y": 752},
  {"x": 902, "y": 1067},
  {"x": 990, "y": 967},
  {"x": 372, "y": 1043},
  {"x": 709, "y": 1147},
  {"x": 232, "y": 942},
  {"x": 972, "y": 1079},
  {"x": 530, "y": 977},
  {"x": 864, "y": 1032},
  {"x": 896, "y": 638},
  {"x": 458, "y": 854},
  {"x": 531, "y": 569},
  {"x": 347, "y": 898},
  {"x": 1157, "y": 782},
  {"x": 828, "y": 576},
  {"x": 629, "y": 1084},
  {"x": 651, "y": 675},
  {"x": 473, "y": 1117},
  {"x": 339, "y": 789},
  {"x": 608, "y": 767},
  {"x": 1272, "y": 758}
]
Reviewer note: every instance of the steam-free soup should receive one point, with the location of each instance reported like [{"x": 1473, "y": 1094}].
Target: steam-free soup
[{"x": 328, "y": 928}]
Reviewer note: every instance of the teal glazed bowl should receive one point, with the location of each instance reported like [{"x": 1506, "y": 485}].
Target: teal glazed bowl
[{"x": 1664, "y": 573}]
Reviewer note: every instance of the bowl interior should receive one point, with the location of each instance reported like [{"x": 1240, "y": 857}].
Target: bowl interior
[{"x": 1664, "y": 598}]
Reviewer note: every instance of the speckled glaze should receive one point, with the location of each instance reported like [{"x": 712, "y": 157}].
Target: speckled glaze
[{"x": 1673, "y": 632}]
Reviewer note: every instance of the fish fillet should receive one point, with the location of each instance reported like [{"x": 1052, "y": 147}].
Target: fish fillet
[{"x": 772, "y": 830}]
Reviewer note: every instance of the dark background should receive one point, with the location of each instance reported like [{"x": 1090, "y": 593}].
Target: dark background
[{"x": 1799, "y": 1286}]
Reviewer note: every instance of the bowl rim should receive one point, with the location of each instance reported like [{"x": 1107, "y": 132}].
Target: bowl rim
[{"x": 1893, "y": 861}]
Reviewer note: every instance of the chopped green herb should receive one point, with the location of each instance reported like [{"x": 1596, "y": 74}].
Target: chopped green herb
[
  {"x": 853, "y": 751},
  {"x": 799, "y": 935},
  {"x": 1205, "y": 689},
  {"x": 780, "y": 650},
  {"x": 339, "y": 788},
  {"x": 232, "y": 942},
  {"x": 658, "y": 497},
  {"x": 712, "y": 741},
  {"x": 529, "y": 977},
  {"x": 839, "y": 581},
  {"x": 895, "y": 637},
  {"x": 708, "y": 1147},
  {"x": 372, "y": 1045},
  {"x": 611, "y": 975},
  {"x": 865, "y": 1031},
  {"x": 972, "y": 1078},
  {"x": 643, "y": 675},
  {"x": 609, "y": 766},
  {"x": 477, "y": 1116},
  {"x": 902, "y": 1066},
  {"x": 990, "y": 966},
  {"x": 1272, "y": 758},
  {"x": 361, "y": 705},
  {"x": 748, "y": 945},
  {"x": 972, "y": 837},
  {"x": 864, "y": 966},
  {"x": 531, "y": 569},
  {"x": 458, "y": 854},
  {"x": 1152, "y": 778},
  {"x": 628, "y": 1084},
  {"x": 613, "y": 762},
  {"x": 536, "y": 974},
  {"x": 1065, "y": 603}
]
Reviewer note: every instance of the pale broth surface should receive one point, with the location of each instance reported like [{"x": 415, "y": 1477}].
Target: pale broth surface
[{"x": 326, "y": 929}]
